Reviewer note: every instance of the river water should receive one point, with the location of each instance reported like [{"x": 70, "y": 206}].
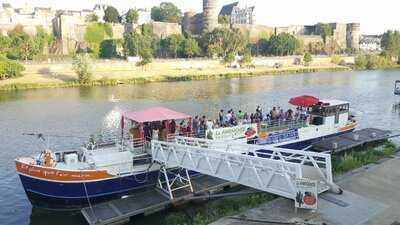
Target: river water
[{"x": 84, "y": 111}]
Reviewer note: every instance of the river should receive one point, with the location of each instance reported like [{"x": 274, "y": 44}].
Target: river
[{"x": 83, "y": 111}]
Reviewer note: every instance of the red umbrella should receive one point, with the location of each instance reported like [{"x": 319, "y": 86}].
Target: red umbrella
[{"x": 304, "y": 101}]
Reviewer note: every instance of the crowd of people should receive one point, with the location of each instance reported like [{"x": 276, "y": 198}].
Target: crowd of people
[{"x": 276, "y": 114}]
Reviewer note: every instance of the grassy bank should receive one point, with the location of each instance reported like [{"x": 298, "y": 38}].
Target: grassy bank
[
  {"x": 359, "y": 157},
  {"x": 105, "y": 81}
]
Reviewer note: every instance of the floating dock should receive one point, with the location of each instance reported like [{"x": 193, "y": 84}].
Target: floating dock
[
  {"x": 347, "y": 141},
  {"x": 149, "y": 201}
]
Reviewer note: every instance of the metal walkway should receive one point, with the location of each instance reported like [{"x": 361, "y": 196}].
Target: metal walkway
[{"x": 265, "y": 168}]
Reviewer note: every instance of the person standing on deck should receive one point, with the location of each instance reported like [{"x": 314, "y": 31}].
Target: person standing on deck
[
  {"x": 221, "y": 117},
  {"x": 196, "y": 126}
]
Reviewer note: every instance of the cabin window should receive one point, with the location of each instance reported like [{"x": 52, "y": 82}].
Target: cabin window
[{"x": 336, "y": 118}]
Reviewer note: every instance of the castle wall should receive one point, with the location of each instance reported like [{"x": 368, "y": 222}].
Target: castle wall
[
  {"x": 163, "y": 30},
  {"x": 254, "y": 32}
]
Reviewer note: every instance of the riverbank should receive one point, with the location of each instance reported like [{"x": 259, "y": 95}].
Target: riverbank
[{"x": 60, "y": 75}]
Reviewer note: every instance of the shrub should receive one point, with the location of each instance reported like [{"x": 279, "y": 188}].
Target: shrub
[
  {"x": 307, "y": 59},
  {"x": 108, "y": 49},
  {"x": 94, "y": 35},
  {"x": 10, "y": 68},
  {"x": 371, "y": 62},
  {"x": 229, "y": 58},
  {"x": 246, "y": 59},
  {"x": 360, "y": 62},
  {"x": 81, "y": 66},
  {"x": 336, "y": 59}
]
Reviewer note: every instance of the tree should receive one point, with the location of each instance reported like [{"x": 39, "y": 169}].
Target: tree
[
  {"x": 81, "y": 66},
  {"x": 146, "y": 56},
  {"x": 111, "y": 15},
  {"x": 22, "y": 46},
  {"x": 173, "y": 45},
  {"x": 91, "y": 18},
  {"x": 307, "y": 59},
  {"x": 132, "y": 16},
  {"x": 325, "y": 31},
  {"x": 224, "y": 19},
  {"x": 390, "y": 43},
  {"x": 190, "y": 47},
  {"x": 166, "y": 12},
  {"x": 108, "y": 48},
  {"x": 224, "y": 41},
  {"x": 5, "y": 42},
  {"x": 43, "y": 39},
  {"x": 283, "y": 44},
  {"x": 95, "y": 34}
]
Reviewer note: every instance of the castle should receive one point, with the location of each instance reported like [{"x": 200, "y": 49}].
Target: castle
[{"x": 69, "y": 25}]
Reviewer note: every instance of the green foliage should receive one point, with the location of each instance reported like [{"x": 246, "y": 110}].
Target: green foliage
[
  {"x": 316, "y": 48},
  {"x": 5, "y": 44},
  {"x": 111, "y": 15},
  {"x": 10, "y": 68},
  {"x": 108, "y": 48},
  {"x": 43, "y": 39},
  {"x": 391, "y": 43},
  {"x": 355, "y": 159},
  {"x": 173, "y": 45},
  {"x": 95, "y": 34},
  {"x": 282, "y": 44},
  {"x": 307, "y": 59},
  {"x": 132, "y": 16},
  {"x": 22, "y": 46},
  {"x": 190, "y": 47},
  {"x": 371, "y": 62},
  {"x": 146, "y": 56},
  {"x": 224, "y": 19},
  {"x": 246, "y": 59},
  {"x": 166, "y": 12},
  {"x": 81, "y": 66},
  {"x": 224, "y": 41},
  {"x": 92, "y": 18},
  {"x": 336, "y": 59},
  {"x": 138, "y": 44},
  {"x": 325, "y": 31},
  {"x": 229, "y": 58}
]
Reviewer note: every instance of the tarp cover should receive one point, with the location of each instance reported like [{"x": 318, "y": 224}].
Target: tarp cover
[{"x": 154, "y": 114}]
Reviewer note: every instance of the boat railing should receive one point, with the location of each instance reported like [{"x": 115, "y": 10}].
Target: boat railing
[{"x": 275, "y": 125}]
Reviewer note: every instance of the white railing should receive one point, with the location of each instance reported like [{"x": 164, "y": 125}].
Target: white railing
[
  {"x": 318, "y": 165},
  {"x": 264, "y": 174}
]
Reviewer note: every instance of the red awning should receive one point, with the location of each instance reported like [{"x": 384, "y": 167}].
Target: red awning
[
  {"x": 154, "y": 114},
  {"x": 304, "y": 101}
]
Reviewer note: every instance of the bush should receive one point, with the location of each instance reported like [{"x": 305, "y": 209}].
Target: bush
[
  {"x": 246, "y": 59},
  {"x": 81, "y": 66},
  {"x": 336, "y": 59},
  {"x": 10, "y": 68},
  {"x": 371, "y": 62},
  {"x": 229, "y": 58},
  {"x": 108, "y": 49},
  {"x": 307, "y": 59}
]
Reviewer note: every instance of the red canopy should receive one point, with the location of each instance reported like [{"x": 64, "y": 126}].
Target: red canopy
[
  {"x": 304, "y": 101},
  {"x": 154, "y": 114}
]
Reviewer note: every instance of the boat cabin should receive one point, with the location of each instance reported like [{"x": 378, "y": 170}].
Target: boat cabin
[
  {"x": 158, "y": 123},
  {"x": 329, "y": 112}
]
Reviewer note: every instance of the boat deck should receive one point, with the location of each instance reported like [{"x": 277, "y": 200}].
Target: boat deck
[
  {"x": 148, "y": 201},
  {"x": 347, "y": 141}
]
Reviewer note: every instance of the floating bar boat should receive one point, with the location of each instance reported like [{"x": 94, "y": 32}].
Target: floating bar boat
[{"x": 99, "y": 171}]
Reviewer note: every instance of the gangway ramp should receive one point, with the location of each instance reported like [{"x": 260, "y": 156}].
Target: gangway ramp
[{"x": 265, "y": 168}]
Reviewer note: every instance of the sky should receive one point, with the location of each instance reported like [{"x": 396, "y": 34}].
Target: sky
[{"x": 375, "y": 16}]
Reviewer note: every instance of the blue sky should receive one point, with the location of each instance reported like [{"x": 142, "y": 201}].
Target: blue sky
[{"x": 375, "y": 16}]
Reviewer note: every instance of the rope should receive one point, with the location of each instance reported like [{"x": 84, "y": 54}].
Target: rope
[{"x": 90, "y": 204}]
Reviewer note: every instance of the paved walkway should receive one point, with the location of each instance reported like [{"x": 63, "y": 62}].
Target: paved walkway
[{"x": 371, "y": 197}]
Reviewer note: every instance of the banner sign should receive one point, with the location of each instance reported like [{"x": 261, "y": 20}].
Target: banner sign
[
  {"x": 278, "y": 137},
  {"x": 307, "y": 194},
  {"x": 231, "y": 133}
]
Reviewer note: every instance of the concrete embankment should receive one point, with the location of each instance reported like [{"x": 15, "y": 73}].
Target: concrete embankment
[
  {"x": 371, "y": 196},
  {"x": 112, "y": 72}
]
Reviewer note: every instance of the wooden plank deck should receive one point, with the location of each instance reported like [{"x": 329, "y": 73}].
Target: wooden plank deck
[
  {"x": 148, "y": 201},
  {"x": 347, "y": 141}
]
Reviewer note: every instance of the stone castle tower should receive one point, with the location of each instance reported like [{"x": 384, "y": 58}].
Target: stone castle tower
[
  {"x": 353, "y": 35},
  {"x": 210, "y": 15}
]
